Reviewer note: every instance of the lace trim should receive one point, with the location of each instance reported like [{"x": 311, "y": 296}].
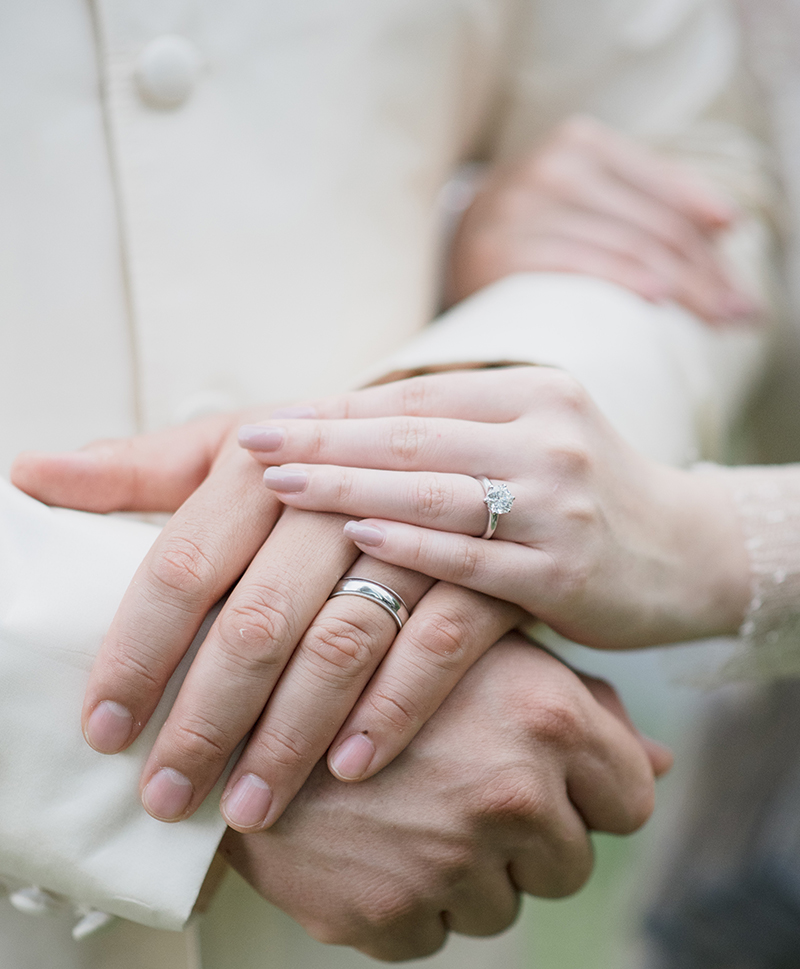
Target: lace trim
[{"x": 768, "y": 502}]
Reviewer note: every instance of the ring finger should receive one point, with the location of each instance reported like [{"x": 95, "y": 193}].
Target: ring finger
[{"x": 446, "y": 502}]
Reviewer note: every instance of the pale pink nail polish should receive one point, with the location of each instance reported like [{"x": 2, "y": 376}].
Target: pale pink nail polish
[
  {"x": 109, "y": 727},
  {"x": 293, "y": 413},
  {"x": 247, "y": 803},
  {"x": 352, "y": 757},
  {"x": 369, "y": 535},
  {"x": 289, "y": 482},
  {"x": 167, "y": 794},
  {"x": 258, "y": 438}
]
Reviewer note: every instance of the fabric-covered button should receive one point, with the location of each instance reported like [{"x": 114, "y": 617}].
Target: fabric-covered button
[
  {"x": 167, "y": 70},
  {"x": 34, "y": 901},
  {"x": 94, "y": 921}
]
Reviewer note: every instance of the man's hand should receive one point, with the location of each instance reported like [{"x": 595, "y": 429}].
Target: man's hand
[
  {"x": 494, "y": 797},
  {"x": 227, "y": 533},
  {"x": 594, "y": 202}
]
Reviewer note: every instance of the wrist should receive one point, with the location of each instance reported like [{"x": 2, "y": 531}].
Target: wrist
[{"x": 712, "y": 588}]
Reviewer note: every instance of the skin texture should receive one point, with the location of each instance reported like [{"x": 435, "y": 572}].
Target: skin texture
[
  {"x": 228, "y": 532},
  {"x": 610, "y": 549},
  {"x": 494, "y": 797},
  {"x": 594, "y": 202}
]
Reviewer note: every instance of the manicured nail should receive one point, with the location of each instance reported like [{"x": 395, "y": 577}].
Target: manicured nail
[
  {"x": 287, "y": 481},
  {"x": 167, "y": 794},
  {"x": 293, "y": 413},
  {"x": 352, "y": 757},
  {"x": 109, "y": 727},
  {"x": 247, "y": 803},
  {"x": 258, "y": 438},
  {"x": 365, "y": 534}
]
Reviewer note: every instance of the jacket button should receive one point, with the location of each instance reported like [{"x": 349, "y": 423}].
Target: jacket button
[
  {"x": 167, "y": 71},
  {"x": 34, "y": 901}
]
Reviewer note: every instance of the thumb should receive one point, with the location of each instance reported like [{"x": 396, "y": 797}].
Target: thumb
[{"x": 148, "y": 472}]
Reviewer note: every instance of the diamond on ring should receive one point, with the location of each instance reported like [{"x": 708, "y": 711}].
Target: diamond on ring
[{"x": 498, "y": 499}]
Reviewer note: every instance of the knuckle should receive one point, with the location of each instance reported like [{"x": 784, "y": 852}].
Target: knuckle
[
  {"x": 134, "y": 663},
  {"x": 257, "y": 619},
  {"x": 196, "y": 737},
  {"x": 557, "y": 720},
  {"x": 433, "y": 498},
  {"x": 182, "y": 566},
  {"x": 563, "y": 391},
  {"x": 406, "y": 440},
  {"x": 442, "y": 638},
  {"x": 283, "y": 746},
  {"x": 341, "y": 644},
  {"x": 507, "y": 799},
  {"x": 414, "y": 397},
  {"x": 467, "y": 560},
  {"x": 394, "y": 708}
]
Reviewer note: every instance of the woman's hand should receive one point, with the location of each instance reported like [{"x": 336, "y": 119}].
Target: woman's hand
[
  {"x": 608, "y": 548},
  {"x": 317, "y": 666},
  {"x": 592, "y": 201}
]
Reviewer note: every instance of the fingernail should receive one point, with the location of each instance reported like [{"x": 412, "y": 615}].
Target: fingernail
[
  {"x": 167, "y": 794},
  {"x": 109, "y": 727},
  {"x": 247, "y": 803},
  {"x": 365, "y": 534},
  {"x": 288, "y": 481},
  {"x": 352, "y": 757},
  {"x": 258, "y": 438},
  {"x": 293, "y": 413}
]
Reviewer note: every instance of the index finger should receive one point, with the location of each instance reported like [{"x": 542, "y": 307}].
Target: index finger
[
  {"x": 197, "y": 558},
  {"x": 472, "y": 395}
]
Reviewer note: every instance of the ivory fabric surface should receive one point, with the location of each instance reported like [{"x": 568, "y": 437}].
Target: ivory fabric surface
[{"x": 208, "y": 204}]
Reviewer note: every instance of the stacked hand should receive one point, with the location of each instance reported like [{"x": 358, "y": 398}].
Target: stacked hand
[
  {"x": 594, "y": 202},
  {"x": 610, "y": 549}
]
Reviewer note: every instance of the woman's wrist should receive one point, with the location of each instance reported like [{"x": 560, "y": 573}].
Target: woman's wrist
[{"x": 711, "y": 591}]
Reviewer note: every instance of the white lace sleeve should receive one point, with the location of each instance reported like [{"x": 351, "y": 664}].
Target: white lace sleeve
[{"x": 768, "y": 502}]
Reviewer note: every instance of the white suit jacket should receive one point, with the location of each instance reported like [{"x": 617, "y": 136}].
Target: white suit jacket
[{"x": 210, "y": 204}]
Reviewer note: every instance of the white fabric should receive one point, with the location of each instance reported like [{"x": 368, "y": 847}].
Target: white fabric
[{"x": 70, "y": 815}]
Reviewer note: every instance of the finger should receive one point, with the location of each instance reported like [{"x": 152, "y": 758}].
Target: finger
[
  {"x": 149, "y": 472},
  {"x": 554, "y": 253},
  {"x": 698, "y": 285},
  {"x": 610, "y": 197},
  {"x": 450, "y": 629},
  {"x": 659, "y": 756},
  {"x": 393, "y": 443},
  {"x": 448, "y": 502},
  {"x": 485, "y": 903},
  {"x": 199, "y": 555},
  {"x": 479, "y": 395},
  {"x": 611, "y": 781},
  {"x": 496, "y": 568},
  {"x": 241, "y": 660},
  {"x": 555, "y": 857},
  {"x": 324, "y": 679},
  {"x": 676, "y": 185}
]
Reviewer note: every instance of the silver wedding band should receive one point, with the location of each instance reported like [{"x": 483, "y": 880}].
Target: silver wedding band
[
  {"x": 498, "y": 499},
  {"x": 386, "y": 598}
]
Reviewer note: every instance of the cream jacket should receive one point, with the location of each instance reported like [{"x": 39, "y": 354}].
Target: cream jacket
[{"x": 210, "y": 204}]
